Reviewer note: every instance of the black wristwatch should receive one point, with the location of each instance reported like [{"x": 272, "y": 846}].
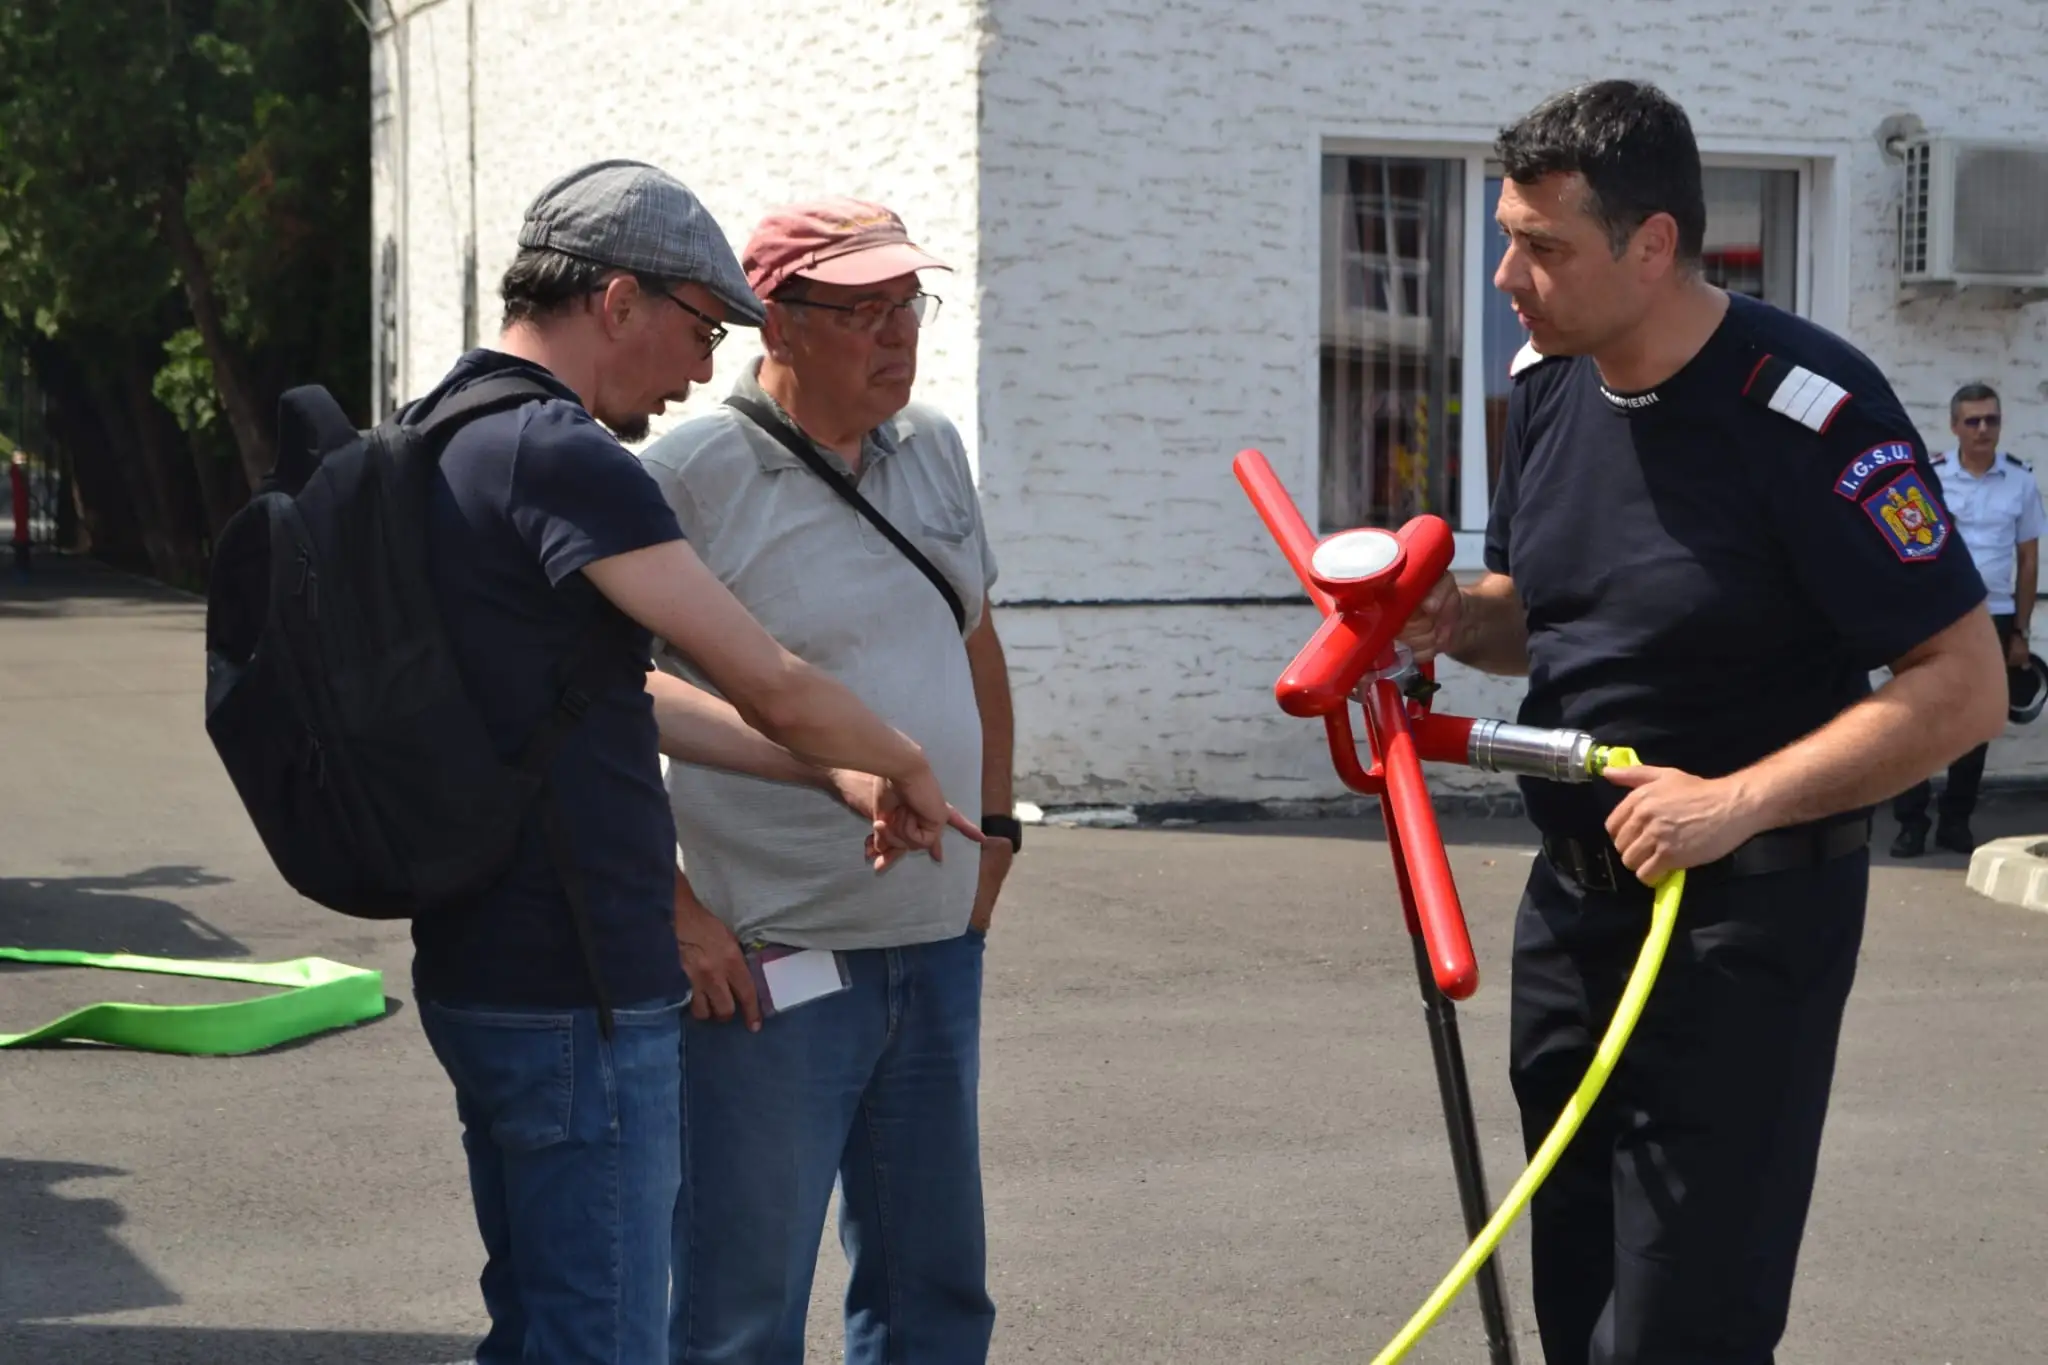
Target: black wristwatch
[{"x": 1004, "y": 827}]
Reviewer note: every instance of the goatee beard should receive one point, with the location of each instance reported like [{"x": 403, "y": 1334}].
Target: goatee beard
[{"x": 629, "y": 430}]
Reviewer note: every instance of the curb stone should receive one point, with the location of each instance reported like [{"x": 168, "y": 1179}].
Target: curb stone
[{"x": 2014, "y": 871}]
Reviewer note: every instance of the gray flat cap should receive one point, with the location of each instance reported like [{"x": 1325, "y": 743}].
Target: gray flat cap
[{"x": 639, "y": 217}]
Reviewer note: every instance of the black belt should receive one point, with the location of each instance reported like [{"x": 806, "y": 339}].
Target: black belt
[{"x": 1597, "y": 867}]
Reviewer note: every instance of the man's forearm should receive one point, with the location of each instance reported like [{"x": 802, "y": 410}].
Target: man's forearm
[
  {"x": 667, "y": 589},
  {"x": 1493, "y": 629},
  {"x": 687, "y": 906},
  {"x": 1929, "y": 714},
  {"x": 991, "y": 676},
  {"x": 699, "y": 728}
]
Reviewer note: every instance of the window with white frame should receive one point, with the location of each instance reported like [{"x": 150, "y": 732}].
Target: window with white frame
[{"x": 1416, "y": 341}]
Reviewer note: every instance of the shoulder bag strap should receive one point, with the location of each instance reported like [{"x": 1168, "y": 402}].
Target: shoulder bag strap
[{"x": 765, "y": 418}]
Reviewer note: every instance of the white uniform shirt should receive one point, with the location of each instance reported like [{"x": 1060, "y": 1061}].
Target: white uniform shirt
[{"x": 1996, "y": 513}]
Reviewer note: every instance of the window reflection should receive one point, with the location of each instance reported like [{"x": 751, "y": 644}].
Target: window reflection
[{"x": 1392, "y": 355}]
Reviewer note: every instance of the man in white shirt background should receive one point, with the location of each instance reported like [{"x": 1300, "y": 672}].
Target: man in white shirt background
[{"x": 1996, "y": 506}]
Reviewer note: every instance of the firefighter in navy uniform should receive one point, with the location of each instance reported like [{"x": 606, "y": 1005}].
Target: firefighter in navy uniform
[{"x": 1713, "y": 520}]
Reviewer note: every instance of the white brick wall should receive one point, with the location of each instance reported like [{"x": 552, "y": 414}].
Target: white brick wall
[
  {"x": 751, "y": 103},
  {"x": 1130, "y": 193}
]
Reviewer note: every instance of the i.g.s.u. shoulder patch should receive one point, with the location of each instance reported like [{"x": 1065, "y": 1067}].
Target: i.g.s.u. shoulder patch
[
  {"x": 1909, "y": 517},
  {"x": 1796, "y": 392},
  {"x": 1866, "y": 466}
]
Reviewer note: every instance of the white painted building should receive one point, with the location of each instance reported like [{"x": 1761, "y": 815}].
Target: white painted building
[{"x": 1190, "y": 226}]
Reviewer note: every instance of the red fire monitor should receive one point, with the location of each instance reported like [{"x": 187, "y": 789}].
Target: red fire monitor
[{"x": 1368, "y": 582}]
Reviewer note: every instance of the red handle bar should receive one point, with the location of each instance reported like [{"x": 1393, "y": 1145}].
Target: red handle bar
[
  {"x": 1282, "y": 518},
  {"x": 1362, "y": 617}
]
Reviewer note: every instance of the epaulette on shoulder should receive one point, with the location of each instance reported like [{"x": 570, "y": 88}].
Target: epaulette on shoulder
[
  {"x": 1796, "y": 392},
  {"x": 1527, "y": 359},
  {"x": 2023, "y": 464}
]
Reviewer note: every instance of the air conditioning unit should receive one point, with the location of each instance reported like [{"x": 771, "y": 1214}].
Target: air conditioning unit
[{"x": 1975, "y": 214}]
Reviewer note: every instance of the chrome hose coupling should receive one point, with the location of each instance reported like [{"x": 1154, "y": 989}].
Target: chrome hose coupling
[{"x": 1498, "y": 746}]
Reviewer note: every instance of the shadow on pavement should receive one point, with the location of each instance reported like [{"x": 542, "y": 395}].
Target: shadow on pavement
[
  {"x": 73, "y": 585},
  {"x": 59, "y": 1258},
  {"x": 67, "y": 1344},
  {"x": 58, "y": 1255},
  {"x": 105, "y": 915}
]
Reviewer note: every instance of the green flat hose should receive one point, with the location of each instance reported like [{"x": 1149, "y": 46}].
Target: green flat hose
[{"x": 317, "y": 995}]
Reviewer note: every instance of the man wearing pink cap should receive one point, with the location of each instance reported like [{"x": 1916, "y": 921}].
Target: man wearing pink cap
[{"x": 836, "y": 1020}]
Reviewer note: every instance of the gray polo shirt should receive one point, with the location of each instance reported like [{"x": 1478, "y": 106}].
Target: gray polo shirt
[{"x": 780, "y": 863}]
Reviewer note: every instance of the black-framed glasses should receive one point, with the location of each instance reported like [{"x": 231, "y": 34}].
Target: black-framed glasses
[
  {"x": 648, "y": 286},
  {"x": 1991, "y": 420},
  {"x": 869, "y": 314},
  {"x": 717, "y": 333}
]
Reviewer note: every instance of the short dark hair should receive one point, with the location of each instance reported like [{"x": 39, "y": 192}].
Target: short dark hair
[
  {"x": 1972, "y": 393},
  {"x": 1631, "y": 143},
  {"x": 542, "y": 282}
]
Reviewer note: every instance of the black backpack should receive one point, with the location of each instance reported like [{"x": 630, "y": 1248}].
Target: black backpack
[{"x": 332, "y": 694}]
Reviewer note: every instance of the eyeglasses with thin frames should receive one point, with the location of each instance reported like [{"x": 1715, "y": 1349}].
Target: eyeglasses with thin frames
[
  {"x": 717, "y": 332},
  {"x": 710, "y": 340},
  {"x": 870, "y": 314}
]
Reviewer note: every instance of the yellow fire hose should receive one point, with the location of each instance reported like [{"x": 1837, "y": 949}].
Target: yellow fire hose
[{"x": 1663, "y": 916}]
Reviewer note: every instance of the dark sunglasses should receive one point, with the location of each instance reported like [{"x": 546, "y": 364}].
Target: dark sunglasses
[{"x": 1993, "y": 421}]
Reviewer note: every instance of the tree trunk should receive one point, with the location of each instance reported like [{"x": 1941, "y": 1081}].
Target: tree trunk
[
  {"x": 121, "y": 512},
  {"x": 217, "y": 474},
  {"x": 90, "y": 412},
  {"x": 161, "y": 462},
  {"x": 221, "y": 487},
  {"x": 230, "y": 374},
  {"x": 112, "y": 529}
]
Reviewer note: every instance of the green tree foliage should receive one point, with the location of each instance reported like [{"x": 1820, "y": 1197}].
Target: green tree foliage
[{"x": 184, "y": 233}]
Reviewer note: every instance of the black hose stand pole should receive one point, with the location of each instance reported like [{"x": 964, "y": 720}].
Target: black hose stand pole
[{"x": 1442, "y": 1017}]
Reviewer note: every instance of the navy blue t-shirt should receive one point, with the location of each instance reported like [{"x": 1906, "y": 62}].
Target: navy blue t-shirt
[
  {"x": 1712, "y": 568},
  {"x": 523, "y": 501}
]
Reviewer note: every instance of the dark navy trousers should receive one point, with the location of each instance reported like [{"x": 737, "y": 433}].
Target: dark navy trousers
[{"x": 1670, "y": 1231}]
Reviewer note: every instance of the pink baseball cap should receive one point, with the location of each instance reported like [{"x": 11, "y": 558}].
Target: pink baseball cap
[{"x": 834, "y": 241}]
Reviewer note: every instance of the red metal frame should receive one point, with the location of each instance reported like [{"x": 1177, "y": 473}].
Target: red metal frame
[{"x": 1362, "y": 617}]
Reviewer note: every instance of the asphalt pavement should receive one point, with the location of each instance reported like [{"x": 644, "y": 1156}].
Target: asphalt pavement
[{"x": 1210, "y": 1119}]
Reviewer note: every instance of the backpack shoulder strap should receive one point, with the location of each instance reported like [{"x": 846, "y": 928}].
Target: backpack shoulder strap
[
  {"x": 765, "y": 418},
  {"x": 499, "y": 393}
]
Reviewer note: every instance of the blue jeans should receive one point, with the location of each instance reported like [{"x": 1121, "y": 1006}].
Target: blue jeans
[
  {"x": 575, "y": 1154},
  {"x": 878, "y": 1087}
]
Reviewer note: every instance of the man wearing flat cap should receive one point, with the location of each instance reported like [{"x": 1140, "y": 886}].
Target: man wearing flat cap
[
  {"x": 554, "y": 1000},
  {"x": 844, "y": 516}
]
